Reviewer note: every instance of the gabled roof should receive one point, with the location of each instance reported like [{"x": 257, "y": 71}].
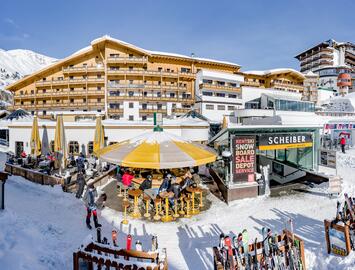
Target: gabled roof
[
  {"x": 107, "y": 38},
  {"x": 275, "y": 71}
]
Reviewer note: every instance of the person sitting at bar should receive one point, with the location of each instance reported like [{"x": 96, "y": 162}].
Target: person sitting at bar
[
  {"x": 147, "y": 183},
  {"x": 175, "y": 188},
  {"x": 127, "y": 178},
  {"x": 23, "y": 154},
  {"x": 188, "y": 181},
  {"x": 165, "y": 184}
]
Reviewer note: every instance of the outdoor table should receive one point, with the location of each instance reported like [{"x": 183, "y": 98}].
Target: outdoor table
[
  {"x": 157, "y": 204},
  {"x": 166, "y": 196},
  {"x": 193, "y": 190},
  {"x": 135, "y": 193},
  {"x": 125, "y": 204},
  {"x": 147, "y": 199}
]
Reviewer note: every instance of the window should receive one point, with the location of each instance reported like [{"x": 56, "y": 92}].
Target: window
[
  {"x": 90, "y": 147},
  {"x": 44, "y": 112},
  {"x": 209, "y": 107},
  {"x": 32, "y": 102},
  {"x": 131, "y": 105},
  {"x": 71, "y": 89},
  {"x": 60, "y": 78},
  {"x": 160, "y": 68},
  {"x": 71, "y": 77},
  {"x": 84, "y": 88},
  {"x": 85, "y": 76},
  {"x": 84, "y": 100},
  {"x": 99, "y": 76},
  {"x": 130, "y": 68},
  {"x": 71, "y": 100},
  {"x": 159, "y": 106},
  {"x": 221, "y": 107},
  {"x": 145, "y": 94},
  {"x": 220, "y": 94},
  {"x": 207, "y": 81},
  {"x": 130, "y": 55},
  {"x": 210, "y": 94},
  {"x": 44, "y": 91},
  {"x": 130, "y": 81},
  {"x": 131, "y": 93},
  {"x": 99, "y": 100},
  {"x": 144, "y": 106},
  {"x": 21, "y": 92},
  {"x": 57, "y": 89},
  {"x": 186, "y": 70},
  {"x": 44, "y": 101},
  {"x": 44, "y": 79},
  {"x": 172, "y": 95},
  {"x": 99, "y": 88},
  {"x": 58, "y": 100},
  {"x": 32, "y": 92},
  {"x": 73, "y": 147},
  {"x": 144, "y": 117},
  {"x": 232, "y": 96},
  {"x": 111, "y": 143},
  {"x": 21, "y": 102},
  {"x": 230, "y": 108},
  {"x": 158, "y": 94},
  {"x": 131, "y": 118}
]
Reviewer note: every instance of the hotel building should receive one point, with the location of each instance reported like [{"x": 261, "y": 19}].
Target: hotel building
[
  {"x": 330, "y": 60},
  {"x": 117, "y": 79}
]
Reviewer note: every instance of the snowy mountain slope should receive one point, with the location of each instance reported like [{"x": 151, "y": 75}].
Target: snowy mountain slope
[{"x": 15, "y": 64}]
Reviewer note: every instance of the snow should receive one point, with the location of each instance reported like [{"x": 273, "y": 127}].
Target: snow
[
  {"x": 15, "y": 64},
  {"x": 274, "y": 71},
  {"x": 42, "y": 226}
]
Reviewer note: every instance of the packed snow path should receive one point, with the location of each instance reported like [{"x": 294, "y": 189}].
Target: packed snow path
[{"x": 42, "y": 226}]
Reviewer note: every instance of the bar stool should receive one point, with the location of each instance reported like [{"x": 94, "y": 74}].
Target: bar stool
[
  {"x": 182, "y": 202},
  {"x": 135, "y": 193},
  {"x": 120, "y": 194},
  {"x": 188, "y": 211},
  {"x": 157, "y": 204},
  {"x": 200, "y": 191},
  {"x": 176, "y": 214},
  {"x": 125, "y": 205},
  {"x": 147, "y": 199},
  {"x": 194, "y": 211},
  {"x": 125, "y": 197},
  {"x": 166, "y": 196}
]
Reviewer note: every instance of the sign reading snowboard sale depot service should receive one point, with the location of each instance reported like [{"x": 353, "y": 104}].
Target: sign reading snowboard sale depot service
[{"x": 244, "y": 158}]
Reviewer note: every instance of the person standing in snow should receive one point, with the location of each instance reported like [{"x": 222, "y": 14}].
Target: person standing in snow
[
  {"x": 89, "y": 199},
  {"x": 342, "y": 144}
]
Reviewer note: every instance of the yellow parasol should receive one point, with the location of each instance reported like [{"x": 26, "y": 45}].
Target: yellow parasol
[
  {"x": 99, "y": 140},
  {"x": 225, "y": 122},
  {"x": 157, "y": 150},
  {"x": 59, "y": 140},
  {"x": 35, "y": 138}
]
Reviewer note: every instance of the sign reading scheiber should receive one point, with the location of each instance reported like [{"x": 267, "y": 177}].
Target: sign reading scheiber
[
  {"x": 285, "y": 141},
  {"x": 244, "y": 158}
]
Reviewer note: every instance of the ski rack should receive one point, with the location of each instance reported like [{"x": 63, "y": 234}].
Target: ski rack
[
  {"x": 343, "y": 229},
  {"x": 283, "y": 240},
  {"x": 106, "y": 256}
]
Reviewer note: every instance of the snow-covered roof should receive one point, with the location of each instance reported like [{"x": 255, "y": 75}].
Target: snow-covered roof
[{"x": 274, "y": 71}]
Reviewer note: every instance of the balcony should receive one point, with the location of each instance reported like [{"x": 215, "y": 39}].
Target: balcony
[
  {"x": 152, "y": 111},
  {"x": 115, "y": 110},
  {"x": 151, "y": 98},
  {"x": 69, "y": 82},
  {"x": 127, "y": 60},
  {"x": 250, "y": 83},
  {"x": 152, "y": 73},
  {"x": 226, "y": 88},
  {"x": 83, "y": 69},
  {"x": 181, "y": 110},
  {"x": 146, "y": 87}
]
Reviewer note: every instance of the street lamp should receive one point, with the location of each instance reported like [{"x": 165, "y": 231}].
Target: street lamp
[{"x": 227, "y": 156}]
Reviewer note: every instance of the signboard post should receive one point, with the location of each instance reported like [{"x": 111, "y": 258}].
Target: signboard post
[
  {"x": 244, "y": 158},
  {"x": 3, "y": 178},
  {"x": 338, "y": 238}
]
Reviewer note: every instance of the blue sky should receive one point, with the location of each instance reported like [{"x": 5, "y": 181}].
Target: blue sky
[{"x": 257, "y": 34}]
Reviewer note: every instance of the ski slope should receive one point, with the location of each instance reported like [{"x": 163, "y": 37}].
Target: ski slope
[{"x": 42, "y": 226}]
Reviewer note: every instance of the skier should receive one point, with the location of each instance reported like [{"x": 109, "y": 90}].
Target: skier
[
  {"x": 80, "y": 179},
  {"x": 342, "y": 143},
  {"x": 90, "y": 203}
]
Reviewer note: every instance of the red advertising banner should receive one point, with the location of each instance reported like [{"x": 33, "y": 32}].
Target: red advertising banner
[{"x": 244, "y": 158}]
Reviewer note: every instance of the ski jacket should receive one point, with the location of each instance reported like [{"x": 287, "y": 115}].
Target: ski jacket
[
  {"x": 165, "y": 185},
  {"x": 89, "y": 198},
  {"x": 127, "y": 179},
  {"x": 342, "y": 141},
  {"x": 146, "y": 184}
]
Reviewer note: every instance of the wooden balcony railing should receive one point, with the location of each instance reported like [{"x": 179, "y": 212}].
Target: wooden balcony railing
[
  {"x": 133, "y": 59},
  {"x": 220, "y": 87},
  {"x": 155, "y": 73},
  {"x": 69, "y": 81},
  {"x": 83, "y": 69}
]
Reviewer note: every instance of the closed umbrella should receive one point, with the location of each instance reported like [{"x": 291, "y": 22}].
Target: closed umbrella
[
  {"x": 99, "y": 140},
  {"x": 35, "y": 138},
  {"x": 157, "y": 150},
  {"x": 59, "y": 141}
]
